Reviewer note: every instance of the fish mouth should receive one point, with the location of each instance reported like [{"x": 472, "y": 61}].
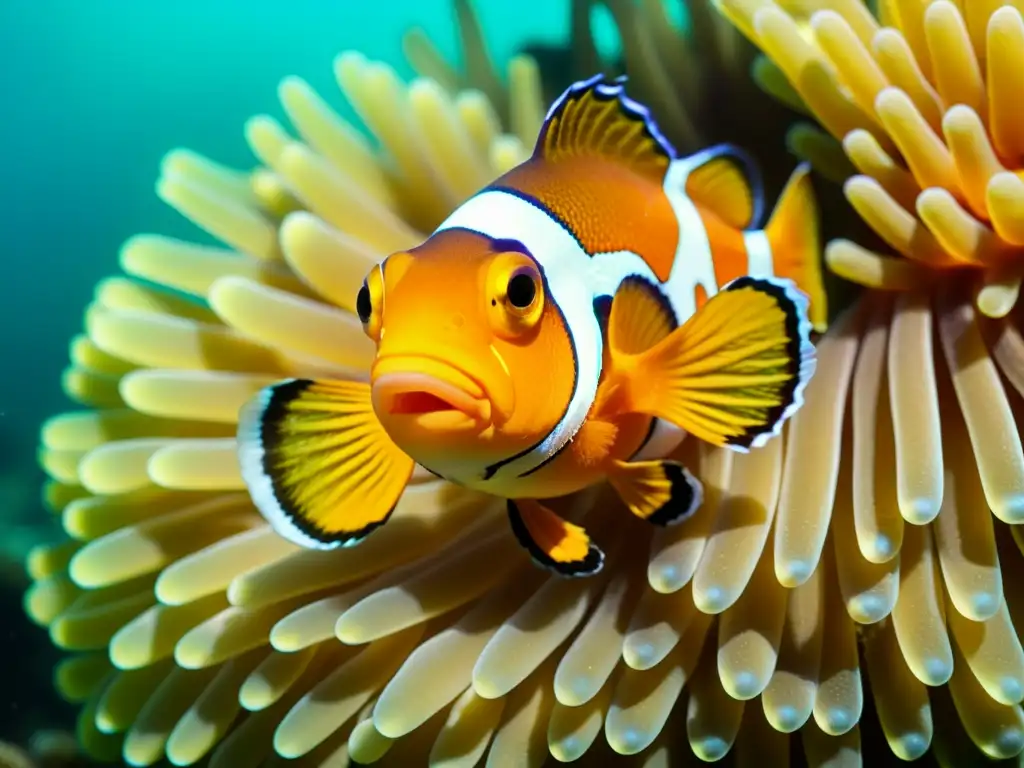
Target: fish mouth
[{"x": 431, "y": 394}]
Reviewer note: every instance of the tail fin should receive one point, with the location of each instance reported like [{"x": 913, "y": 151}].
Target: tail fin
[{"x": 792, "y": 233}]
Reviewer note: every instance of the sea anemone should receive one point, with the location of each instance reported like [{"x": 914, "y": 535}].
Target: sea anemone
[
  {"x": 198, "y": 633},
  {"x": 926, "y": 391}
]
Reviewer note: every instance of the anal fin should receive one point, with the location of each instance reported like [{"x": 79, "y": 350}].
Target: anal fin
[
  {"x": 318, "y": 464},
  {"x": 553, "y": 543},
  {"x": 660, "y": 492}
]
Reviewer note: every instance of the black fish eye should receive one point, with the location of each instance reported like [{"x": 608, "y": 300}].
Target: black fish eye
[
  {"x": 363, "y": 307},
  {"x": 522, "y": 290}
]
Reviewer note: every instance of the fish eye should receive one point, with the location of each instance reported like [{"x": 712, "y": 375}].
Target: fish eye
[
  {"x": 363, "y": 306},
  {"x": 522, "y": 290},
  {"x": 515, "y": 294},
  {"x": 370, "y": 303}
]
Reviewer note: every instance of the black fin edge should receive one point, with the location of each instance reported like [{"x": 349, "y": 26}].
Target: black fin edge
[
  {"x": 588, "y": 566},
  {"x": 276, "y": 409},
  {"x": 607, "y": 89},
  {"x": 687, "y": 495},
  {"x": 794, "y": 351}
]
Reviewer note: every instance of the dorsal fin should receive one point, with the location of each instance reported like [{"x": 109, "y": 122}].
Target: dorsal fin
[
  {"x": 596, "y": 118},
  {"x": 725, "y": 180}
]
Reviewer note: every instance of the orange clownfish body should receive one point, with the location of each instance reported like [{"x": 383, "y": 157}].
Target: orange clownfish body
[{"x": 566, "y": 325}]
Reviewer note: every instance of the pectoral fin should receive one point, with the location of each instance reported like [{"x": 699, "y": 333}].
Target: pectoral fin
[
  {"x": 318, "y": 464},
  {"x": 553, "y": 543},
  {"x": 733, "y": 373},
  {"x": 661, "y": 492},
  {"x": 641, "y": 316}
]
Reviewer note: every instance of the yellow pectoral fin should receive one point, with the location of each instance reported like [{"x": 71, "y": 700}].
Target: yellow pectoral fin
[
  {"x": 734, "y": 372},
  {"x": 552, "y": 542},
  {"x": 318, "y": 464},
  {"x": 661, "y": 492}
]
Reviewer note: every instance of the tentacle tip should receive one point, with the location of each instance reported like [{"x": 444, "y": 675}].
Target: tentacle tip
[
  {"x": 238, "y": 593},
  {"x": 710, "y": 748},
  {"x": 138, "y": 756},
  {"x": 911, "y": 746},
  {"x": 286, "y": 750},
  {"x": 485, "y": 689},
  {"x": 576, "y": 691},
  {"x": 995, "y": 304},
  {"x": 639, "y": 656},
  {"x": 283, "y": 641},
  {"x": 957, "y": 114},
  {"x": 867, "y": 609},
  {"x": 567, "y": 749},
  {"x": 792, "y": 573},
  {"x": 742, "y": 686},
  {"x": 165, "y": 594},
  {"x": 919, "y": 510},
  {"x": 186, "y": 660},
  {"x": 181, "y": 754},
  {"x": 391, "y": 729},
  {"x": 123, "y": 660},
  {"x": 1009, "y": 742},
  {"x": 1011, "y": 689},
  {"x": 712, "y": 600},
  {"x": 937, "y": 671},
  {"x": 879, "y": 549},
  {"x": 786, "y": 719},
  {"x": 252, "y": 701},
  {"x": 1010, "y": 509},
  {"x": 348, "y": 634},
  {"x": 628, "y": 741},
  {"x": 838, "y": 721},
  {"x": 665, "y": 579},
  {"x": 984, "y": 605}
]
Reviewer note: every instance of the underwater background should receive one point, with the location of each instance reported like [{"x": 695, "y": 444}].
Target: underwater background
[
  {"x": 98, "y": 92},
  {"x": 95, "y": 93}
]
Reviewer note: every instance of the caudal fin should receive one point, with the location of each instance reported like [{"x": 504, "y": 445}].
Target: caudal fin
[{"x": 792, "y": 233}]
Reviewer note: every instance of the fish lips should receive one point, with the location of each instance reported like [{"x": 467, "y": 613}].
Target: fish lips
[{"x": 429, "y": 394}]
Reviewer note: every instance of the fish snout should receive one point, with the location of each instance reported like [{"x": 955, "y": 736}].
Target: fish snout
[{"x": 426, "y": 393}]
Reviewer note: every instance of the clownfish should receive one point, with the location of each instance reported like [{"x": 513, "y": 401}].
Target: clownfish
[{"x": 566, "y": 325}]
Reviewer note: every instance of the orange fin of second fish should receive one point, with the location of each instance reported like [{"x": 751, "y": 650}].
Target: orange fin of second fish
[
  {"x": 728, "y": 184},
  {"x": 733, "y": 373},
  {"x": 792, "y": 233},
  {"x": 661, "y": 492},
  {"x": 552, "y": 542},
  {"x": 318, "y": 464},
  {"x": 595, "y": 118}
]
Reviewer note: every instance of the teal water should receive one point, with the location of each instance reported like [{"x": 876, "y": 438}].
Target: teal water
[{"x": 93, "y": 94}]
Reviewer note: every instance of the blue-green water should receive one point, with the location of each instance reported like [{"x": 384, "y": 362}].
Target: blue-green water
[{"x": 93, "y": 94}]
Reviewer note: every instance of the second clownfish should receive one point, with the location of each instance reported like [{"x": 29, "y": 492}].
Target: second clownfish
[{"x": 566, "y": 325}]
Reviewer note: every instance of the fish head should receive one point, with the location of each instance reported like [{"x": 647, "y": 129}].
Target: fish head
[{"x": 474, "y": 363}]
